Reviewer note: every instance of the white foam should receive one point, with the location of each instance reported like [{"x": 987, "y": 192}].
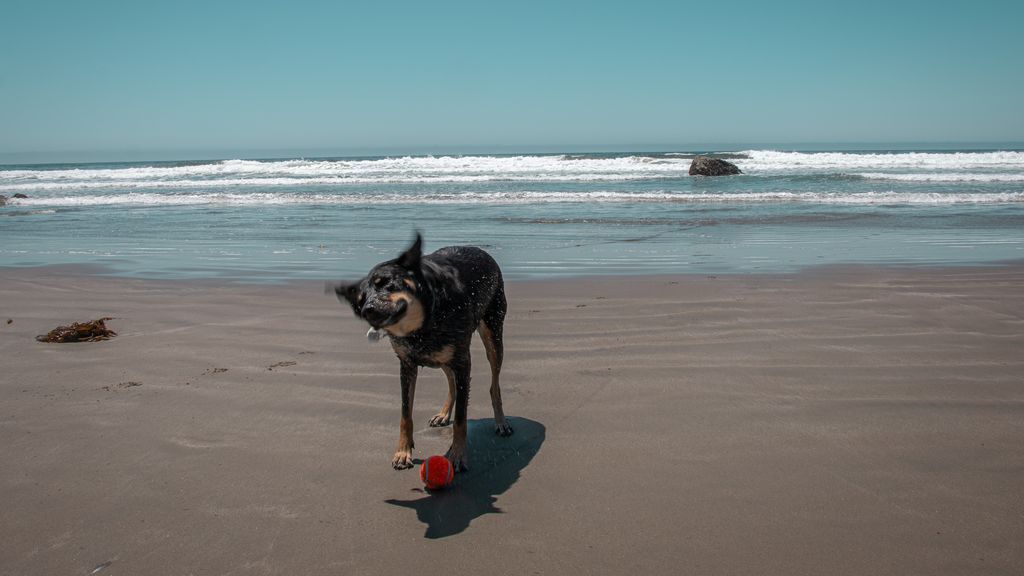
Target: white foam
[
  {"x": 313, "y": 181},
  {"x": 291, "y": 198},
  {"x": 407, "y": 170},
  {"x": 943, "y": 177},
  {"x": 818, "y": 162},
  {"x": 1005, "y": 166},
  {"x": 383, "y": 170}
]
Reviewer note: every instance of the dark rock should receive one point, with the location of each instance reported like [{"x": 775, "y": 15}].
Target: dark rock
[
  {"x": 19, "y": 195},
  {"x": 3, "y": 199},
  {"x": 704, "y": 166}
]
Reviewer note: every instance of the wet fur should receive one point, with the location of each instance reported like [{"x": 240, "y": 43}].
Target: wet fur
[{"x": 430, "y": 306}]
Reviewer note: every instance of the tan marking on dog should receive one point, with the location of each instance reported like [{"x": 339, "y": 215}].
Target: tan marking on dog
[
  {"x": 405, "y": 442},
  {"x": 401, "y": 351},
  {"x": 410, "y": 283},
  {"x": 403, "y": 452},
  {"x": 443, "y": 357},
  {"x": 411, "y": 321},
  {"x": 457, "y": 451},
  {"x": 488, "y": 339},
  {"x": 492, "y": 358},
  {"x": 444, "y": 417}
]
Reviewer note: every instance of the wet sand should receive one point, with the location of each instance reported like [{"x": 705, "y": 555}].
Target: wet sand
[{"x": 854, "y": 420}]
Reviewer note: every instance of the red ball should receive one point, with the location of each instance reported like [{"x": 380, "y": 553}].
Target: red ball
[{"x": 436, "y": 472}]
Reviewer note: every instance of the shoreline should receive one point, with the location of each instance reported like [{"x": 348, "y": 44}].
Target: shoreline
[
  {"x": 861, "y": 420},
  {"x": 99, "y": 271}
]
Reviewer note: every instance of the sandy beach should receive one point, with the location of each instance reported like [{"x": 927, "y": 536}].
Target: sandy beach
[{"x": 851, "y": 420}]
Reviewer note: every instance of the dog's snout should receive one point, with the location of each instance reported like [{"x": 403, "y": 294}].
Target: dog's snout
[{"x": 371, "y": 314}]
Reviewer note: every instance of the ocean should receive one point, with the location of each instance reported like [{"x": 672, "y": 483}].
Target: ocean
[{"x": 540, "y": 215}]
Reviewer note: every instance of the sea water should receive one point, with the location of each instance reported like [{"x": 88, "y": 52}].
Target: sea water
[{"x": 540, "y": 215}]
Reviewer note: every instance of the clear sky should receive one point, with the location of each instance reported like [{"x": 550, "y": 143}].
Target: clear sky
[{"x": 217, "y": 75}]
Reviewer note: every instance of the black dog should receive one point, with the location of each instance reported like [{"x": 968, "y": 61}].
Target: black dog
[{"x": 430, "y": 306}]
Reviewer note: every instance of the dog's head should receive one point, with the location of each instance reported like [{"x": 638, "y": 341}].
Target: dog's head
[{"x": 390, "y": 297}]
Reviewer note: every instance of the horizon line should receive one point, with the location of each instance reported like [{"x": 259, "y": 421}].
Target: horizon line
[{"x": 291, "y": 152}]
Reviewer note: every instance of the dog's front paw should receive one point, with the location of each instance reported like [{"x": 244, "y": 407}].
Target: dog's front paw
[
  {"x": 402, "y": 460},
  {"x": 440, "y": 420},
  {"x": 503, "y": 429},
  {"x": 457, "y": 456}
]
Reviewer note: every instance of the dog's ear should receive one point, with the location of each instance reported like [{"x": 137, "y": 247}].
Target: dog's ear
[
  {"x": 410, "y": 259},
  {"x": 345, "y": 291}
]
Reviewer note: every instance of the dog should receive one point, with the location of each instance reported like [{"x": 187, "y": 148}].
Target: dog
[{"x": 429, "y": 307}]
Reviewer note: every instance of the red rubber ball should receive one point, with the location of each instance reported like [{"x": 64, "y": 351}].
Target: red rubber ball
[{"x": 436, "y": 472}]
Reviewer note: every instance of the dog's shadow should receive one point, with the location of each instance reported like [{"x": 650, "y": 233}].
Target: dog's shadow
[{"x": 494, "y": 466}]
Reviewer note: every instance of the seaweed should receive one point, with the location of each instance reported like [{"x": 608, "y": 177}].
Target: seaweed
[{"x": 79, "y": 332}]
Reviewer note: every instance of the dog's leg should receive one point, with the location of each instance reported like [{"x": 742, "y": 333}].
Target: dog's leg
[
  {"x": 490, "y": 330},
  {"x": 403, "y": 454},
  {"x": 444, "y": 417},
  {"x": 457, "y": 453}
]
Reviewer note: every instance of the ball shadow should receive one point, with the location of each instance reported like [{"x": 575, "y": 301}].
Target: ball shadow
[{"x": 494, "y": 466}]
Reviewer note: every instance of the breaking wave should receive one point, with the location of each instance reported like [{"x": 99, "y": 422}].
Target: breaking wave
[{"x": 519, "y": 197}]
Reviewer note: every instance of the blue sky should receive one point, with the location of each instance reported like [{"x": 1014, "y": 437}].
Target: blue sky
[{"x": 218, "y": 75}]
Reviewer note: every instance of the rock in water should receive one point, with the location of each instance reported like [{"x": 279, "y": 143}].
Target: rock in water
[
  {"x": 705, "y": 166},
  {"x": 19, "y": 195},
  {"x": 3, "y": 199}
]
